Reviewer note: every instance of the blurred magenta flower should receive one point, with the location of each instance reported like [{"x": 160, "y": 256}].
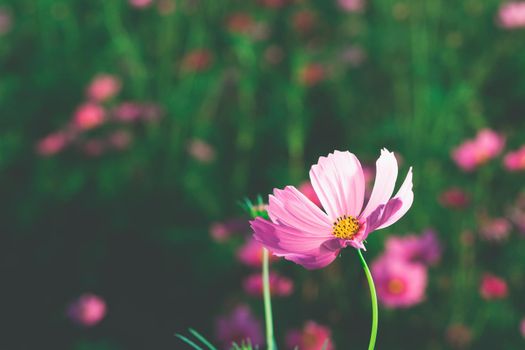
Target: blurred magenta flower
[
  {"x": 522, "y": 328},
  {"x": 301, "y": 232},
  {"x": 454, "y": 197},
  {"x": 313, "y": 336},
  {"x": 89, "y": 116},
  {"x": 512, "y": 14},
  {"x": 251, "y": 253},
  {"x": 307, "y": 189},
  {"x": 6, "y": 20},
  {"x": 240, "y": 325},
  {"x": 515, "y": 161},
  {"x": 52, "y": 144},
  {"x": 120, "y": 139},
  {"x": 88, "y": 310},
  {"x": 197, "y": 60},
  {"x": 475, "y": 152},
  {"x": 493, "y": 287},
  {"x": 399, "y": 283},
  {"x": 496, "y": 229},
  {"x": 280, "y": 286},
  {"x": 311, "y": 74},
  {"x": 140, "y": 3},
  {"x": 239, "y": 23},
  {"x": 201, "y": 150},
  {"x": 459, "y": 336},
  {"x": 127, "y": 111},
  {"x": 222, "y": 231},
  {"x": 424, "y": 248},
  {"x": 103, "y": 87},
  {"x": 351, "y": 5}
]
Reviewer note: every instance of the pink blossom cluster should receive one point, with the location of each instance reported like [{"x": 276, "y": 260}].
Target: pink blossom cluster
[
  {"x": 515, "y": 160},
  {"x": 88, "y": 310},
  {"x": 400, "y": 273},
  {"x": 493, "y": 287},
  {"x": 99, "y": 110},
  {"x": 312, "y": 336},
  {"x": 239, "y": 327},
  {"x": 474, "y": 152},
  {"x": 351, "y": 5},
  {"x": 512, "y": 15}
]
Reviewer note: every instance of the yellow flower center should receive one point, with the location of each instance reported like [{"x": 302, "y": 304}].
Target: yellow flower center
[
  {"x": 396, "y": 286},
  {"x": 345, "y": 227}
]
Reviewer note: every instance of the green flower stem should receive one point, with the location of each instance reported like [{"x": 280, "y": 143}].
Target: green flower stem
[
  {"x": 373, "y": 296},
  {"x": 267, "y": 301}
]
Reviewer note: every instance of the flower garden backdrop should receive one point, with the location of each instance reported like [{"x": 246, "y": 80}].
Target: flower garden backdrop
[{"x": 131, "y": 131}]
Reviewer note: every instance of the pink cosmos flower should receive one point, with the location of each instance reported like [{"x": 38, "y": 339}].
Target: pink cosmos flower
[
  {"x": 280, "y": 286},
  {"x": 201, "y": 150},
  {"x": 522, "y": 328},
  {"x": 52, "y": 144},
  {"x": 454, "y": 197},
  {"x": 140, "y": 3},
  {"x": 88, "y": 310},
  {"x": 251, "y": 254},
  {"x": 313, "y": 336},
  {"x": 472, "y": 153},
  {"x": 423, "y": 248},
  {"x": 239, "y": 326},
  {"x": 103, "y": 87},
  {"x": 351, "y": 5},
  {"x": 515, "y": 161},
  {"x": 307, "y": 189},
  {"x": 89, "y": 116},
  {"x": 512, "y": 15},
  {"x": 399, "y": 283},
  {"x": 496, "y": 229},
  {"x": 303, "y": 233},
  {"x": 493, "y": 287}
]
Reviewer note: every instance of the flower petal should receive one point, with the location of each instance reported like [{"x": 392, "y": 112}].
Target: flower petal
[
  {"x": 339, "y": 183},
  {"x": 406, "y": 196},
  {"x": 290, "y": 207},
  {"x": 315, "y": 260},
  {"x": 284, "y": 240},
  {"x": 386, "y": 175}
]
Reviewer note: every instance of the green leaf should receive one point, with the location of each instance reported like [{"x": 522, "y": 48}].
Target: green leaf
[
  {"x": 202, "y": 339},
  {"x": 189, "y": 342}
]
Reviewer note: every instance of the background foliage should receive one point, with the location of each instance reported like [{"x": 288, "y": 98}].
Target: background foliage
[{"x": 416, "y": 77}]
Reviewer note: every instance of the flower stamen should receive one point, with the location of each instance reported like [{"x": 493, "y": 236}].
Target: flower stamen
[{"x": 346, "y": 227}]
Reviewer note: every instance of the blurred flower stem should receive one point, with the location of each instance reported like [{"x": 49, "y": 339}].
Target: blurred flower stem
[
  {"x": 267, "y": 301},
  {"x": 373, "y": 297}
]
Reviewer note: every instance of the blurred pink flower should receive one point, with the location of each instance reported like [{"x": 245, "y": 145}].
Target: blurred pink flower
[
  {"x": 515, "y": 161},
  {"x": 201, "y": 150},
  {"x": 354, "y": 56},
  {"x": 88, "y": 310},
  {"x": 301, "y": 232},
  {"x": 313, "y": 336},
  {"x": 127, "y": 112},
  {"x": 472, "y": 153},
  {"x": 311, "y": 74},
  {"x": 197, "y": 60},
  {"x": 6, "y": 20},
  {"x": 240, "y": 325},
  {"x": 351, "y": 5},
  {"x": 280, "y": 286},
  {"x": 222, "y": 231},
  {"x": 496, "y": 229},
  {"x": 454, "y": 197},
  {"x": 120, "y": 139},
  {"x": 103, "y": 87},
  {"x": 459, "y": 336},
  {"x": 307, "y": 189},
  {"x": 493, "y": 287},
  {"x": 251, "y": 253},
  {"x": 89, "y": 116},
  {"x": 522, "y": 328},
  {"x": 423, "y": 248},
  {"x": 512, "y": 14},
  {"x": 94, "y": 147},
  {"x": 239, "y": 22},
  {"x": 52, "y": 144},
  {"x": 399, "y": 283},
  {"x": 140, "y": 3}
]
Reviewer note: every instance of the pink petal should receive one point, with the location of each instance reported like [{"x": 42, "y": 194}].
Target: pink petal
[
  {"x": 315, "y": 260},
  {"x": 339, "y": 183},
  {"x": 386, "y": 175},
  {"x": 284, "y": 240},
  {"x": 406, "y": 196},
  {"x": 290, "y": 207}
]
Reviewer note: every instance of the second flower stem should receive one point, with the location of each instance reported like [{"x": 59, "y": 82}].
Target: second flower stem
[
  {"x": 373, "y": 296},
  {"x": 267, "y": 301}
]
